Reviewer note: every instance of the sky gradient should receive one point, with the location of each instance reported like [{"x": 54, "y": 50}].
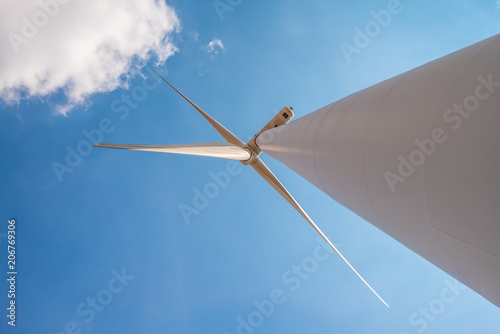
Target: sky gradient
[{"x": 104, "y": 243}]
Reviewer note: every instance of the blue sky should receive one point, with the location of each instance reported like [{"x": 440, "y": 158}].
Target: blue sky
[{"x": 108, "y": 232}]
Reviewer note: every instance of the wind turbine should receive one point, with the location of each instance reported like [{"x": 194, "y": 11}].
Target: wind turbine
[
  {"x": 416, "y": 155},
  {"x": 248, "y": 154}
]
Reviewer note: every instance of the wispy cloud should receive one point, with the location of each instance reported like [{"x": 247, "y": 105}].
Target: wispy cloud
[
  {"x": 79, "y": 47},
  {"x": 214, "y": 47}
]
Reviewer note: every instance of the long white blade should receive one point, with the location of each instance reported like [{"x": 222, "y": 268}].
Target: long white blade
[
  {"x": 266, "y": 173},
  {"x": 215, "y": 150},
  {"x": 225, "y": 133}
]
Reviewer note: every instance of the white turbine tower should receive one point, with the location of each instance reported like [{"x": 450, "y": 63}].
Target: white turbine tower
[{"x": 416, "y": 155}]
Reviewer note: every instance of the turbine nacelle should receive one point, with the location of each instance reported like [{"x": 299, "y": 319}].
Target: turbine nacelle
[{"x": 283, "y": 117}]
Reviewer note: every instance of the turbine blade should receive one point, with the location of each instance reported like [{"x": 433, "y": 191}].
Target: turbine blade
[
  {"x": 270, "y": 178},
  {"x": 215, "y": 150},
  {"x": 225, "y": 133}
]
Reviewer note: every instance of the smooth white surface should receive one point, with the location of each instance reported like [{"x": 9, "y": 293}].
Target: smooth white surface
[
  {"x": 448, "y": 209},
  {"x": 215, "y": 150}
]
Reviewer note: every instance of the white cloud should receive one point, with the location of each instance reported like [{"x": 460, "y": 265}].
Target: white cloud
[
  {"x": 214, "y": 47},
  {"x": 79, "y": 47}
]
